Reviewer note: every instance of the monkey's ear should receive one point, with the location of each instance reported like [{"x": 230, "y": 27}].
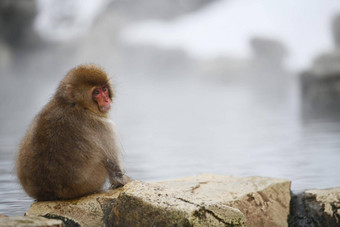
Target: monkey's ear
[
  {"x": 69, "y": 92},
  {"x": 111, "y": 89}
]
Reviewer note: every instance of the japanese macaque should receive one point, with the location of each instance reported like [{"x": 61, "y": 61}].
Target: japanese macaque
[{"x": 70, "y": 148}]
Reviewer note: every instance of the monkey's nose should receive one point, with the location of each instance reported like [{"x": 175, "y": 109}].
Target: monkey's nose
[{"x": 107, "y": 100}]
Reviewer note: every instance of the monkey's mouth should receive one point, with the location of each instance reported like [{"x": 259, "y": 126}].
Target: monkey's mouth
[{"x": 105, "y": 108}]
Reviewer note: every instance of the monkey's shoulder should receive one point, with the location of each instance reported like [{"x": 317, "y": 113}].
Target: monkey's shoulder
[{"x": 71, "y": 120}]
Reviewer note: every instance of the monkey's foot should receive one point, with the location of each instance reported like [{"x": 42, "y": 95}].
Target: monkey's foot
[
  {"x": 114, "y": 186},
  {"x": 120, "y": 182}
]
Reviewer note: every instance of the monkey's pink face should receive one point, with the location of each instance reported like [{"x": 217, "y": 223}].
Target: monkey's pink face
[{"x": 102, "y": 97}]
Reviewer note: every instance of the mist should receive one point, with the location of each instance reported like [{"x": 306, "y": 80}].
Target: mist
[{"x": 201, "y": 87}]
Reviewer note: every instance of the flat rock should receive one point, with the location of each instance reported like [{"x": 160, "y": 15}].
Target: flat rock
[
  {"x": 92, "y": 210},
  {"x": 29, "y": 222},
  {"x": 204, "y": 200},
  {"x": 154, "y": 204},
  {"x": 264, "y": 201}
]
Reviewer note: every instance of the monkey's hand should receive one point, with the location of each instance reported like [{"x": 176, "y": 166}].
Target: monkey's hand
[
  {"x": 116, "y": 175},
  {"x": 118, "y": 180}
]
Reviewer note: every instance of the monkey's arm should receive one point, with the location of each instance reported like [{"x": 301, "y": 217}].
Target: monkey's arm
[{"x": 117, "y": 176}]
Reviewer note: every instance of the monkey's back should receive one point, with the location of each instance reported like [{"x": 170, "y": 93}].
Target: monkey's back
[{"x": 61, "y": 156}]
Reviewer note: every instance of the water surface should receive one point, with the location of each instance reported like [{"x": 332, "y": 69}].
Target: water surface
[{"x": 179, "y": 127}]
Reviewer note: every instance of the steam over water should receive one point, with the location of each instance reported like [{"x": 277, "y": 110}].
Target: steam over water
[{"x": 177, "y": 115}]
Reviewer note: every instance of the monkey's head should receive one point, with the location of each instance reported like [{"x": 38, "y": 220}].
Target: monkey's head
[{"x": 89, "y": 87}]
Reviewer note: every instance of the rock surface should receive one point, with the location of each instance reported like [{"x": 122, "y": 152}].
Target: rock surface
[
  {"x": 29, "y": 221},
  {"x": 92, "y": 210},
  {"x": 320, "y": 84},
  {"x": 316, "y": 208},
  {"x": 204, "y": 200},
  {"x": 264, "y": 201},
  {"x": 157, "y": 204}
]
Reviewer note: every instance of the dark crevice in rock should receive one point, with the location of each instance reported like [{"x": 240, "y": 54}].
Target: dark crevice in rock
[
  {"x": 106, "y": 206},
  {"x": 298, "y": 215},
  {"x": 197, "y": 186},
  {"x": 67, "y": 222},
  {"x": 305, "y": 210},
  {"x": 202, "y": 209},
  {"x": 194, "y": 188},
  {"x": 187, "y": 201},
  {"x": 201, "y": 213},
  {"x": 335, "y": 208}
]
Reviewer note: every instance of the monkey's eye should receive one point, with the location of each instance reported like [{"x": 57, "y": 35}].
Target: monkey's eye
[
  {"x": 104, "y": 88},
  {"x": 96, "y": 92}
]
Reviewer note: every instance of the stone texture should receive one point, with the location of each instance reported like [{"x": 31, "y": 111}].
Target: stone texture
[
  {"x": 329, "y": 200},
  {"x": 264, "y": 201},
  {"x": 29, "y": 222},
  {"x": 316, "y": 208},
  {"x": 157, "y": 204},
  {"x": 204, "y": 200},
  {"x": 92, "y": 210}
]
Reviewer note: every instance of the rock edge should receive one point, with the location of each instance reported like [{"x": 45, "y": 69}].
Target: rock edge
[{"x": 203, "y": 200}]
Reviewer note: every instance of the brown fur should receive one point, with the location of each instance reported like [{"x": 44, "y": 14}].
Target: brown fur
[{"x": 70, "y": 149}]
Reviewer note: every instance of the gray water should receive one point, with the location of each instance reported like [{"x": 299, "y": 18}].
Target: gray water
[{"x": 184, "y": 126}]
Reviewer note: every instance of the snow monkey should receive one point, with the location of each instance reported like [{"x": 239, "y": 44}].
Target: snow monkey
[{"x": 70, "y": 149}]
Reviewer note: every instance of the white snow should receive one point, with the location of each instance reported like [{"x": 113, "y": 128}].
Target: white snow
[{"x": 225, "y": 27}]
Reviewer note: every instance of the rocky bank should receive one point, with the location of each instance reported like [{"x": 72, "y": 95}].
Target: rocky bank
[
  {"x": 316, "y": 208},
  {"x": 203, "y": 200}
]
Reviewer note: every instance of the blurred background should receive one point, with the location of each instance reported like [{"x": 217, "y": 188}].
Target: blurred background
[{"x": 233, "y": 87}]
